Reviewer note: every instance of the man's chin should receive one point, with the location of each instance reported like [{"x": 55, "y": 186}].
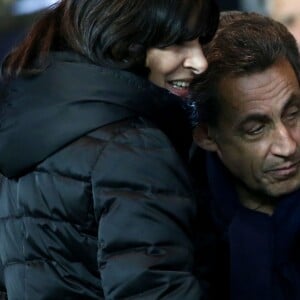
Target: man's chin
[{"x": 283, "y": 189}]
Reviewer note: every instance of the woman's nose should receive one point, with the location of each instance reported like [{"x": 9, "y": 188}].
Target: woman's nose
[{"x": 195, "y": 59}]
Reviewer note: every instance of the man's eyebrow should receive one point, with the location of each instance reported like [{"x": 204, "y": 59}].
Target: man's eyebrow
[
  {"x": 255, "y": 117},
  {"x": 294, "y": 99},
  {"x": 260, "y": 117}
]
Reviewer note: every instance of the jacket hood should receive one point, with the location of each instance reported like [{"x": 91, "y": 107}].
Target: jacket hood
[{"x": 43, "y": 113}]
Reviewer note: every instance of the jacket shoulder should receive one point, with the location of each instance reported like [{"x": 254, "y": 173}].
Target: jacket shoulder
[{"x": 78, "y": 158}]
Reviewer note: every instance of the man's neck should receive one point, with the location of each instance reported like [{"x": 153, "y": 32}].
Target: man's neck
[{"x": 256, "y": 202}]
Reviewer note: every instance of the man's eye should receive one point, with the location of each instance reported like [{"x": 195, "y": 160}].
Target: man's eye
[
  {"x": 292, "y": 114},
  {"x": 255, "y": 130}
]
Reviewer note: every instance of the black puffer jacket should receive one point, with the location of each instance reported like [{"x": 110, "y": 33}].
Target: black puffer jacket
[{"x": 95, "y": 202}]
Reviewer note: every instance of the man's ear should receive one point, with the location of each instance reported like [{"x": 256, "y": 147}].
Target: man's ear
[{"x": 204, "y": 138}]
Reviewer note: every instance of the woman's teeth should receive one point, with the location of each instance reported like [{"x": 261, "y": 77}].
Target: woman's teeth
[{"x": 180, "y": 84}]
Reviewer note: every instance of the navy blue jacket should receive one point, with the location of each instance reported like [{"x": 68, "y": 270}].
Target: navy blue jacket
[{"x": 264, "y": 251}]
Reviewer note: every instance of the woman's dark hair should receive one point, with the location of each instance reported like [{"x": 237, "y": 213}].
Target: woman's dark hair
[
  {"x": 245, "y": 43},
  {"x": 113, "y": 33}
]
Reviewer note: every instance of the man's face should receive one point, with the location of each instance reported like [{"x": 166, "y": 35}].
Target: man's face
[
  {"x": 174, "y": 67},
  {"x": 288, "y": 13},
  {"x": 258, "y": 133}
]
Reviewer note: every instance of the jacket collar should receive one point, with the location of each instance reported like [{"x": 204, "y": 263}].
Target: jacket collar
[
  {"x": 258, "y": 243},
  {"x": 225, "y": 198}
]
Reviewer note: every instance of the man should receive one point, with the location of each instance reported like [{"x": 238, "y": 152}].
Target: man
[
  {"x": 287, "y": 12},
  {"x": 247, "y": 116}
]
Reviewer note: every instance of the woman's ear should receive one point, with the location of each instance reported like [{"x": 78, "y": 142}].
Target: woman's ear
[{"x": 204, "y": 138}]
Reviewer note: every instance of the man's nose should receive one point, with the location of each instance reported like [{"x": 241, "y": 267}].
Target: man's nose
[
  {"x": 284, "y": 144},
  {"x": 195, "y": 59}
]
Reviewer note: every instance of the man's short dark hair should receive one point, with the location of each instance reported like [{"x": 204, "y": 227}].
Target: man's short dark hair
[{"x": 245, "y": 43}]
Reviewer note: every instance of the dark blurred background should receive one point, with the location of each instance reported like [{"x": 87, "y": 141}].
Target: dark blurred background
[{"x": 16, "y": 17}]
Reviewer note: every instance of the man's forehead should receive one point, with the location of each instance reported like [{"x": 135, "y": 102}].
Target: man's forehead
[
  {"x": 279, "y": 80},
  {"x": 265, "y": 92}
]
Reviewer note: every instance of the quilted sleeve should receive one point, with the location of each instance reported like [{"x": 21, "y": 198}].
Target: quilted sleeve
[{"x": 146, "y": 209}]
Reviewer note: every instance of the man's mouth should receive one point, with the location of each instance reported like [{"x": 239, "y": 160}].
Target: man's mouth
[{"x": 284, "y": 171}]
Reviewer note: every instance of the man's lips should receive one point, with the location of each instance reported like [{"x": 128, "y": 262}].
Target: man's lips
[{"x": 284, "y": 171}]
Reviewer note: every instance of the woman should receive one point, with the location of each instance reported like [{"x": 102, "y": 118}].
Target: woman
[{"x": 96, "y": 202}]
